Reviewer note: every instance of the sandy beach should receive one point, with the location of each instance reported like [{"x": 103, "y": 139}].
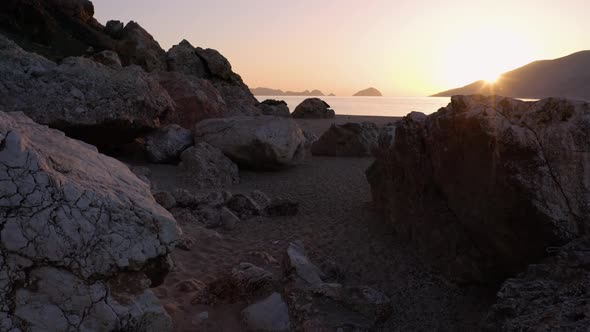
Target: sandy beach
[{"x": 336, "y": 223}]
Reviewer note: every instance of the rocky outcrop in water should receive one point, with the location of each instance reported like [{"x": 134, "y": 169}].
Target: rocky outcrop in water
[
  {"x": 469, "y": 182},
  {"x": 370, "y": 92},
  {"x": 81, "y": 237},
  {"x": 262, "y": 142},
  {"x": 348, "y": 140},
  {"x": 313, "y": 108},
  {"x": 85, "y": 99}
]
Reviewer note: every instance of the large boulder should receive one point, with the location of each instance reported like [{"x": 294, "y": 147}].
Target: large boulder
[
  {"x": 57, "y": 29},
  {"x": 165, "y": 144},
  {"x": 551, "y": 296},
  {"x": 137, "y": 47},
  {"x": 196, "y": 99},
  {"x": 348, "y": 140},
  {"x": 313, "y": 108},
  {"x": 206, "y": 166},
  {"x": 260, "y": 142},
  {"x": 470, "y": 182},
  {"x": 237, "y": 95},
  {"x": 211, "y": 65},
  {"x": 183, "y": 58},
  {"x": 275, "y": 108},
  {"x": 82, "y": 239},
  {"x": 85, "y": 99}
]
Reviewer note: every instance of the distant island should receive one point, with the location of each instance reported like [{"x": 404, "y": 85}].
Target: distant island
[
  {"x": 370, "y": 92},
  {"x": 275, "y": 92},
  {"x": 331, "y": 95},
  {"x": 568, "y": 77}
]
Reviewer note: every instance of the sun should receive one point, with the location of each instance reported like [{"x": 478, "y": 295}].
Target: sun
[
  {"x": 479, "y": 54},
  {"x": 492, "y": 79}
]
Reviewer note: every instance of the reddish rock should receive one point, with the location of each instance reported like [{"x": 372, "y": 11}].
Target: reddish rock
[
  {"x": 196, "y": 99},
  {"x": 488, "y": 183}
]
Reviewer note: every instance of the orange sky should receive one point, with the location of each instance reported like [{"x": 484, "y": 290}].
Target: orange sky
[{"x": 403, "y": 48}]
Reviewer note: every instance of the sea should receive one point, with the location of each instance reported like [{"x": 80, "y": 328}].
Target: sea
[{"x": 376, "y": 106}]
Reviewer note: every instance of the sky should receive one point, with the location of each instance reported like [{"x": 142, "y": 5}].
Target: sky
[{"x": 403, "y": 48}]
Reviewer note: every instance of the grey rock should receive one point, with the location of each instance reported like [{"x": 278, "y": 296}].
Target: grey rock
[
  {"x": 521, "y": 175},
  {"x": 348, "y": 140},
  {"x": 76, "y": 227},
  {"x": 313, "y": 108},
  {"x": 186, "y": 199},
  {"x": 166, "y": 199},
  {"x": 210, "y": 216},
  {"x": 228, "y": 220},
  {"x": 108, "y": 58},
  {"x": 217, "y": 65},
  {"x": 165, "y": 144},
  {"x": 260, "y": 198},
  {"x": 298, "y": 265},
  {"x": 237, "y": 96},
  {"x": 183, "y": 58},
  {"x": 143, "y": 173},
  {"x": 207, "y": 167},
  {"x": 553, "y": 295},
  {"x": 262, "y": 142},
  {"x": 245, "y": 206},
  {"x": 275, "y": 108},
  {"x": 114, "y": 28},
  {"x": 269, "y": 315},
  {"x": 87, "y": 100},
  {"x": 137, "y": 47},
  {"x": 251, "y": 278},
  {"x": 386, "y": 137}
]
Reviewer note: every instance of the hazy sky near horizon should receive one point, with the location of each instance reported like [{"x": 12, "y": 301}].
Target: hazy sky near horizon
[{"x": 403, "y": 48}]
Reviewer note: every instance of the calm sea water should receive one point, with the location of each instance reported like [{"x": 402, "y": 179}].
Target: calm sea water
[{"x": 380, "y": 106}]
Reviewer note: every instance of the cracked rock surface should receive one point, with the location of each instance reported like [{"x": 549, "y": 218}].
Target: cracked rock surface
[
  {"x": 81, "y": 237},
  {"x": 86, "y": 99},
  {"x": 551, "y": 296},
  {"x": 471, "y": 181}
]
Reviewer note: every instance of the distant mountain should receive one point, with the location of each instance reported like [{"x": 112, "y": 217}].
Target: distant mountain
[
  {"x": 563, "y": 77},
  {"x": 370, "y": 92},
  {"x": 331, "y": 95},
  {"x": 276, "y": 92}
]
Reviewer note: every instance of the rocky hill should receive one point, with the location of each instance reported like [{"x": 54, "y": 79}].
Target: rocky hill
[
  {"x": 568, "y": 77},
  {"x": 370, "y": 92},
  {"x": 275, "y": 92}
]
